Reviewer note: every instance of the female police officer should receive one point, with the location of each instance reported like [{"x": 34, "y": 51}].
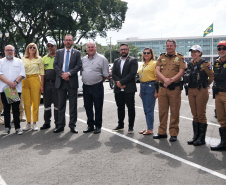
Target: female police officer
[{"x": 198, "y": 77}]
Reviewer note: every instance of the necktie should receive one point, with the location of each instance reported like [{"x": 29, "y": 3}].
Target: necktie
[{"x": 67, "y": 62}]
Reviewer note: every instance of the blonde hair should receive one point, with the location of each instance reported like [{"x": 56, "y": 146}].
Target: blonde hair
[{"x": 27, "y": 54}]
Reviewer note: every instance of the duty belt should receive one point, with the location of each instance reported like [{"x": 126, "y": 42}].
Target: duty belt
[{"x": 171, "y": 86}]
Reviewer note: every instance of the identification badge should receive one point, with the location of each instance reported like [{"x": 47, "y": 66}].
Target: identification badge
[{"x": 141, "y": 75}]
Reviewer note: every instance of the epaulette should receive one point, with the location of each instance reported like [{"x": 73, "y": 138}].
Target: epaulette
[
  {"x": 162, "y": 54},
  {"x": 179, "y": 54}
]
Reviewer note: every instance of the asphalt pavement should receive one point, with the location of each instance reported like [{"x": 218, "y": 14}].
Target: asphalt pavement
[{"x": 44, "y": 157}]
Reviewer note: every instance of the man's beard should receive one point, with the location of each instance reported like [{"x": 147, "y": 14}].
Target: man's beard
[
  {"x": 9, "y": 57},
  {"x": 124, "y": 54}
]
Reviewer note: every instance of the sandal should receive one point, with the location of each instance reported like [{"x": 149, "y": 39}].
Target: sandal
[
  {"x": 148, "y": 132},
  {"x": 141, "y": 132}
]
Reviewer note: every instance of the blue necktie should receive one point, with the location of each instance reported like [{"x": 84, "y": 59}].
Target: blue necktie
[{"x": 67, "y": 62}]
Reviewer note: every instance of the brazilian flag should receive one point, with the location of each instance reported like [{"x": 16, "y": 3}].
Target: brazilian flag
[{"x": 208, "y": 30}]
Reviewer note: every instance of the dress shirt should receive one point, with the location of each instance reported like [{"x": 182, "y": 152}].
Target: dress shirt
[
  {"x": 121, "y": 66},
  {"x": 11, "y": 69},
  {"x": 65, "y": 54},
  {"x": 34, "y": 66},
  {"x": 94, "y": 69}
]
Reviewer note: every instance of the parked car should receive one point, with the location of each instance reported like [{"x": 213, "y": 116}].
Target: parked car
[
  {"x": 137, "y": 75},
  {"x": 80, "y": 83}
]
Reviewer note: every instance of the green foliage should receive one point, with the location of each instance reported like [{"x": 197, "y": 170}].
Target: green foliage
[{"x": 35, "y": 21}]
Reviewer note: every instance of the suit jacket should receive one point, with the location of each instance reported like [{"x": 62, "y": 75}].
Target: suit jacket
[
  {"x": 128, "y": 74},
  {"x": 74, "y": 66}
]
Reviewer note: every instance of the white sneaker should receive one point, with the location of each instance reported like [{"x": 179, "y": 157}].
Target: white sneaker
[
  {"x": 6, "y": 131},
  {"x": 34, "y": 127},
  {"x": 19, "y": 131},
  {"x": 28, "y": 127}
]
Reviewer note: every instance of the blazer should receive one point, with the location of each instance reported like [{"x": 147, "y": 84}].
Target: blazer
[
  {"x": 74, "y": 66},
  {"x": 128, "y": 74}
]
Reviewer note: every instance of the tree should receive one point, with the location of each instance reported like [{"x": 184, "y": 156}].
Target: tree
[
  {"x": 134, "y": 51},
  {"x": 35, "y": 21}
]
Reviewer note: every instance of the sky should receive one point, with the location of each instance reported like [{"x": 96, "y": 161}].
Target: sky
[{"x": 169, "y": 18}]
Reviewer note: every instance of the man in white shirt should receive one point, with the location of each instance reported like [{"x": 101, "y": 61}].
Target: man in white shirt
[{"x": 11, "y": 73}]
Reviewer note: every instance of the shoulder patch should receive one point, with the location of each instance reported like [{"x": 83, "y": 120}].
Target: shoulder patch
[{"x": 162, "y": 54}]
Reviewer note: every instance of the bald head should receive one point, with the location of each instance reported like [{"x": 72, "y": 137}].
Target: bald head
[
  {"x": 9, "y": 52},
  {"x": 91, "y": 49}
]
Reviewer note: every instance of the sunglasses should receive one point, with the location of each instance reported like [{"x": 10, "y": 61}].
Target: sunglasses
[
  {"x": 50, "y": 46},
  {"x": 146, "y": 53},
  {"x": 32, "y": 47},
  {"x": 219, "y": 49}
]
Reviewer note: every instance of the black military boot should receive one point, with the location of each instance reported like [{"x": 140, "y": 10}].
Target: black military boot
[
  {"x": 196, "y": 132},
  {"x": 202, "y": 135},
  {"x": 222, "y": 145}
]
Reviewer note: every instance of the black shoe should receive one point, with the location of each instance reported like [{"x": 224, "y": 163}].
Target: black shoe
[
  {"x": 45, "y": 126},
  {"x": 97, "y": 130},
  {"x": 73, "y": 130},
  {"x": 118, "y": 128},
  {"x": 173, "y": 138},
  {"x": 159, "y": 136},
  {"x": 59, "y": 129},
  {"x": 89, "y": 129},
  {"x": 130, "y": 131}
]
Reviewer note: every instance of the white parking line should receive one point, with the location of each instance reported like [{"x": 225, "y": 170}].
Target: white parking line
[
  {"x": 210, "y": 123},
  {"x": 163, "y": 152},
  {"x": 2, "y": 182}
]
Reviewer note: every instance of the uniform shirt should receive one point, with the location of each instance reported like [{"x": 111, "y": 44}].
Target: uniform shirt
[
  {"x": 147, "y": 72},
  {"x": 50, "y": 73},
  {"x": 170, "y": 66},
  {"x": 208, "y": 70},
  {"x": 34, "y": 66},
  {"x": 11, "y": 69},
  {"x": 94, "y": 69},
  {"x": 65, "y": 54}
]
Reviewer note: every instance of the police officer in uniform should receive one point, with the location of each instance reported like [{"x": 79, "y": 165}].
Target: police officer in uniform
[
  {"x": 169, "y": 69},
  {"x": 50, "y": 92},
  {"x": 219, "y": 90},
  {"x": 198, "y": 77}
]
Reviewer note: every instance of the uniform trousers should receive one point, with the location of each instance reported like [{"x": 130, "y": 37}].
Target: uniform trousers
[
  {"x": 198, "y": 100},
  {"x": 50, "y": 96},
  {"x": 7, "y": 115},
  {"x": 93, "y": 95},
  {"x": 220, "y": 101},
  {"x": 169, "y": 98},
  {"x": 31, "y": 95},
  {"x": 127, "y": 99}
]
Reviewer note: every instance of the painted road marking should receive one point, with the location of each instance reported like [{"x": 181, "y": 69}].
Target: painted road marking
[
  {"x": 2, "y": 182},
  {"x": 164, "y": 153}
]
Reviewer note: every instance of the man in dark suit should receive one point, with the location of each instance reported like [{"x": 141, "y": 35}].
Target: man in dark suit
[
  {"x": 67, "y": 63},
  {"x": 124, "y": 72}
]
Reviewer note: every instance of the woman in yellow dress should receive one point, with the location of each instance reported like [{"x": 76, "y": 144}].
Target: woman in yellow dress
[{"x": 31, "y": 85}]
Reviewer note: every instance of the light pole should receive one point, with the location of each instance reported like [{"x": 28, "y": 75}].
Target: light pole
[{"x": 81, "y": 47}]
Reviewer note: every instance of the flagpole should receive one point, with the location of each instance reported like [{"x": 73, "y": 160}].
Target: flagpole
[{"x": 212, "y": 45}]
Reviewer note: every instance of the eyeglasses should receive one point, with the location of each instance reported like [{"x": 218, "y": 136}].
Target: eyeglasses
[
  {"x": 219, "y": 49},
  {"x": 9, "y": 50},
  {"x": 32, "y": 47},
  {"x": 123, "y": 49},
  {"x": 50, "y": 46},
  {"x": 146, "y": 53},
  {"x": 68, "y": 40}
]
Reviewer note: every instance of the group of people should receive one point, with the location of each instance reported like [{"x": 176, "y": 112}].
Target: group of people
[{"x": 56, "y": 76}]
